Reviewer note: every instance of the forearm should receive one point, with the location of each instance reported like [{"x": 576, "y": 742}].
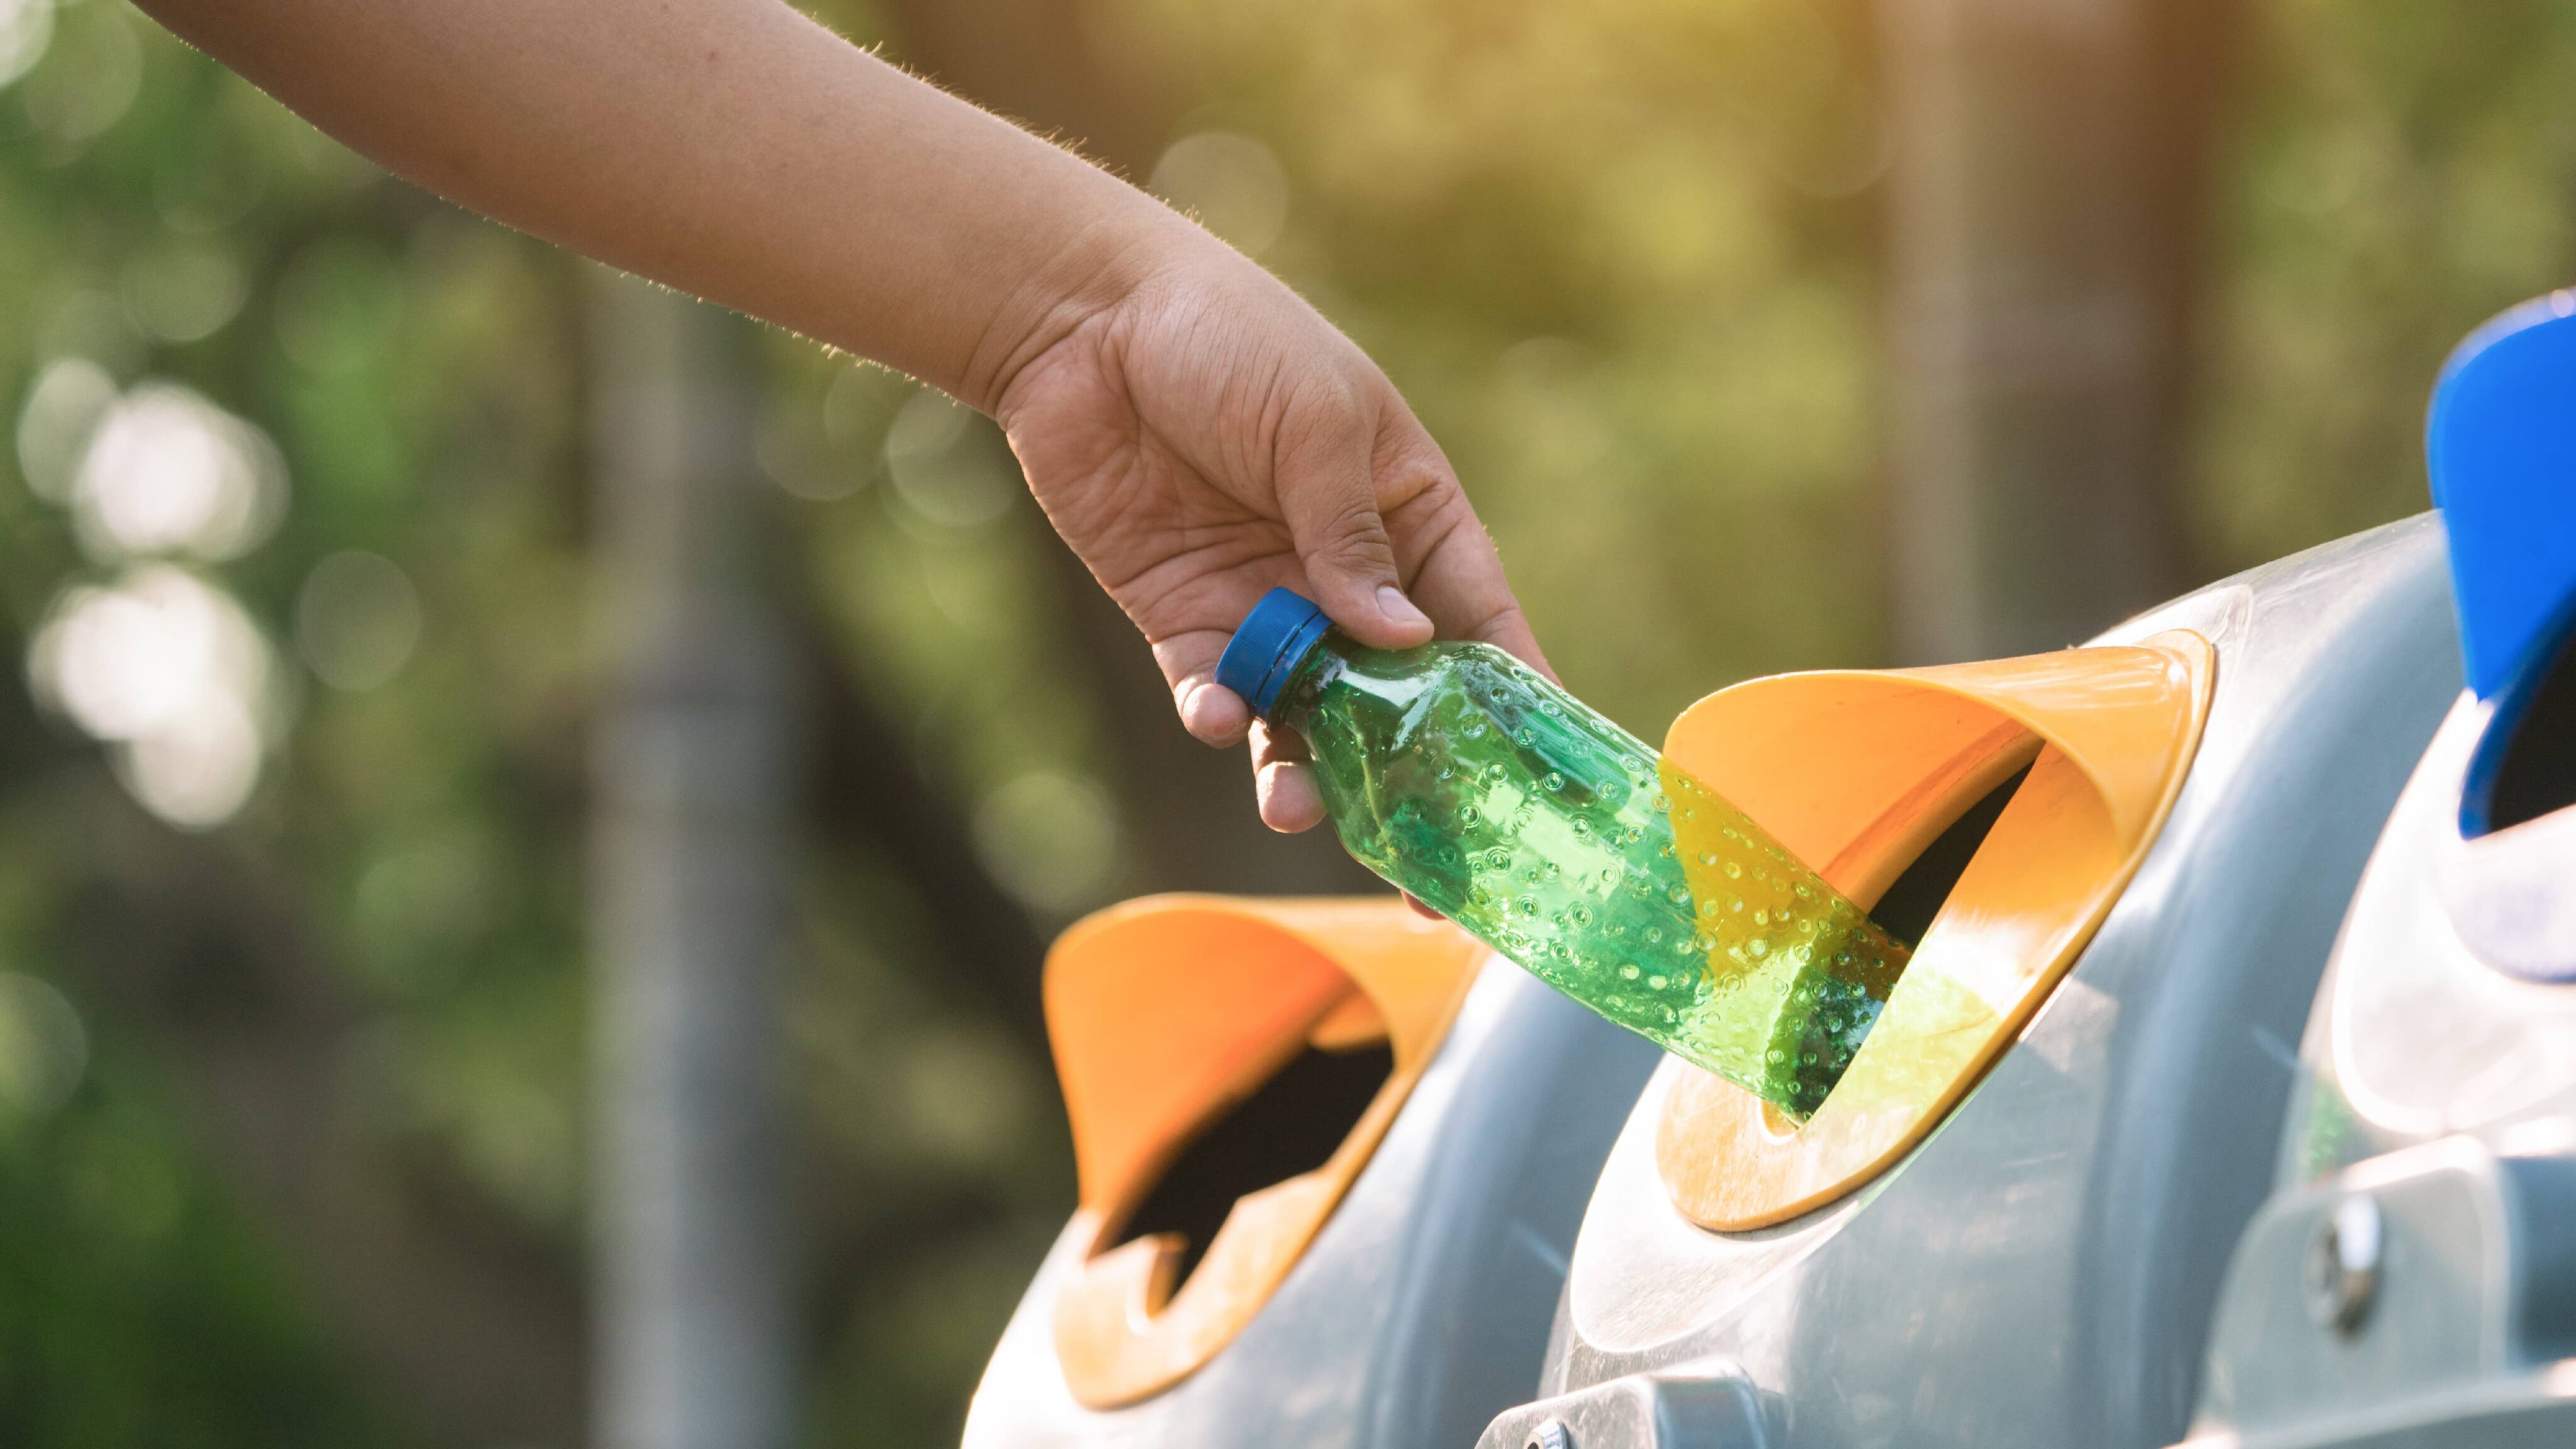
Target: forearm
[{"x": 730, "y": 148}]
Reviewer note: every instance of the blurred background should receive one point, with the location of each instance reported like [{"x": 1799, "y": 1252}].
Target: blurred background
[{"x": 530, "y": 810}]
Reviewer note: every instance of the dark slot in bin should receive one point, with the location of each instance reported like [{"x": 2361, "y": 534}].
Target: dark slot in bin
[
  {"x": 1906, "y": 910},
  {"x": 2527, "y": 767},
  {"x": 1292, "y": 1124}
]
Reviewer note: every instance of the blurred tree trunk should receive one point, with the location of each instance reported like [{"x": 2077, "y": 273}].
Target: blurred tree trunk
[
  {"x": 867, "y": 788},
  {"x": 1052, "y": 65},
  {"x": 693, "y": 769},
  {"x": 2044, "y": 208}
]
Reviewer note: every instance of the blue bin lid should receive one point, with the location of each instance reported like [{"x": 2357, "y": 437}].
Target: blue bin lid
[{"x": 2500, "y": 445}]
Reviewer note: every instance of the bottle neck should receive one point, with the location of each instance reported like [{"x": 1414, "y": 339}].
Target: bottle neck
[{"x": 1295, "y": 703}]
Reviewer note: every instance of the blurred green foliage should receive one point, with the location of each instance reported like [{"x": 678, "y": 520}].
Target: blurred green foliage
[
  {"x": 138, "y": 1303},
  {"x": 2400, "y": 172},
  {"x": 1620, "y": 256}
]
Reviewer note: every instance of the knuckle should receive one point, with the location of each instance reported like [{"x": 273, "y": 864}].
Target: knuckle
[{"x": 1355, "y": 538}]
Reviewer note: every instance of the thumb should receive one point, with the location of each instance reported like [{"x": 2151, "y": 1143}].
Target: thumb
[{"x": 1328, "y": 497}]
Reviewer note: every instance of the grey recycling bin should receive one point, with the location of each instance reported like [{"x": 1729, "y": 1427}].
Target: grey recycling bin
[
  {"x": 1421, "y": 1303},
  {"x": 2041, "y": 1268},
  {"x": 2412, "y": 1280}
]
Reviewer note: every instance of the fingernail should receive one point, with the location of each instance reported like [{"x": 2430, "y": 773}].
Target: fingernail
[{"x": 1396, "y": 607}]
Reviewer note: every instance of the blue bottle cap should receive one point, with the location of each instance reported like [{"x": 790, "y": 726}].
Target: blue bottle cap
[{"x": 1268, "y": 645}]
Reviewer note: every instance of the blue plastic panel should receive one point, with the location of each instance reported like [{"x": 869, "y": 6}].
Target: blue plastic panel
[{"x": 2501, "y": 448}]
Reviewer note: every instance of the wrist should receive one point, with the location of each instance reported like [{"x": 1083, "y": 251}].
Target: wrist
[{"x": 1073, "y": 279}]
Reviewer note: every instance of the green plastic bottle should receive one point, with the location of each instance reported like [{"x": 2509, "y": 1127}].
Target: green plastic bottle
[{"x": 1464, "y": 777}]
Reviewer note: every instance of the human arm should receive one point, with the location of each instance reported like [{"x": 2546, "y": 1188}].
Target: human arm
[{"x": 1194, "y": 430}]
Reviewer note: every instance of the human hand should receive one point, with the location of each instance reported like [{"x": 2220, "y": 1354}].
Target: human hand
[{"x": 1207, "y": 436}]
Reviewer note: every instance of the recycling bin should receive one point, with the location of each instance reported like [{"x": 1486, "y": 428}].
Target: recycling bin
[
  {"x": 2412, "y": 1280},
  {"x": 2010, "y": 1228},
  {"x": 1349, "y": 1179},
  {"x": 1377, "y": 1136}
]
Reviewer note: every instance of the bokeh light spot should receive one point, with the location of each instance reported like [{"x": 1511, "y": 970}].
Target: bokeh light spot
[
  {"x": 183, "y": 294},
  {"x": 357, "y": 620},
  {"x": 92, "y": 71},
  {"x": 174, "y": 676},
  {"x": 787, "y": 445},
  {"x": 26, "y": 28},
  {"x": 43, "y": 1047},
  {"x": 945, "y": 464},
  {"x": 1050, "y": 838},
  {"x": 62, "y": 411},
  {"x": 1232, "y": 183},
  {"x": 200, "y": 773},
  {"x": 168, "y": 472}
]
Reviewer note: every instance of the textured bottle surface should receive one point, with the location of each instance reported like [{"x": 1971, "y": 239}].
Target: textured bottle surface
[{"x": 1556, "y": 837}]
